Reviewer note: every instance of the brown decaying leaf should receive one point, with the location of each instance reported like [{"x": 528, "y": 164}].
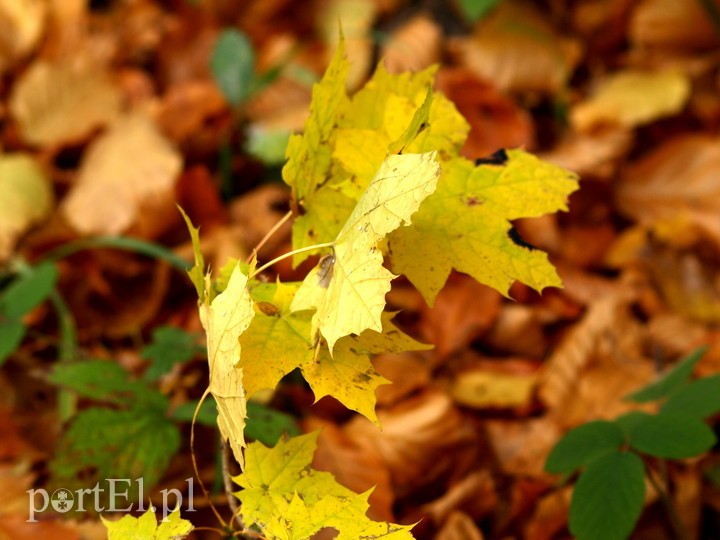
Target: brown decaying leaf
[
  {"x": 475, "y": 496},
  {"x": 56, "y": 103},
  {"x": 21, "y": 26},
  {"x": 671, "y": 24},
  {"x": 550, "y": 515},
  {"x": 522, "y": 447},
  {"x": 462, "y": 311},
  {"x": 408, "y": 372},
  {"x": 423, "y": 440},
  {"x": 257, "y": 212},
  {"x": 495, "y": 120},
  {"x": 126, "y": 181},
  {"x": 516, "y": 49},
  {"x": 186, "y": 106},
  {"x": 459, "y": 527}
]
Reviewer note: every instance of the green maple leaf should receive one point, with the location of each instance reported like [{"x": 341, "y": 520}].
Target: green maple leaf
[
  {"x": 284, "y": 336},
  {"x": 466, "y": 225},
  {"x": 289, "y": 500},
  {"x": 347, "y": 288},
  {"x": 146, "y": 527}
]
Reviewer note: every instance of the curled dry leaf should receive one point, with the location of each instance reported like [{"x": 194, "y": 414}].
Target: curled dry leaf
[
  {"x": 518, "y": 50},
  {"x": 21, "y": 25},
  {"x": 56, "y": 103},
  {"x": 186, "y": 106},
  {"x": 521, "y": 448},
  {"x": 474, "y": 494},
  {"x": 677, "y": 180},
  {"x": 26, "y": 198},
  {"x": 414, "y": 46},
  {"x": 668, "y": 23},
  {"x": 482, "y": 389},
  {"x": 408, "y": 372},
  {"x": 127, "y": 178},
  {"x": 550, "y": 515},
  {"x": 632, "y": 98}
]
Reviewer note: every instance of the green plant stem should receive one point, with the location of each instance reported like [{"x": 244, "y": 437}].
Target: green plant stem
[
  {"x": 67, "y": 399},
  {"x": 123, "y": 243},
  {"x": 679, "y": 530},
  {"x": 290, "y": 254}
]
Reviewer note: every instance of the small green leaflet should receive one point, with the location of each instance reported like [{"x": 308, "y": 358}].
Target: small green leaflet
[
  {"x": 233, "y": 65},
  {"x": 671, "y": 381},
  {"x": 580, "y": 446},
  {"x": 170, "y": 346}
]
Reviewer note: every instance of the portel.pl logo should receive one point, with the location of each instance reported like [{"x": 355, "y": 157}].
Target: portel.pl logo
[{"x": 117, "y": 499}]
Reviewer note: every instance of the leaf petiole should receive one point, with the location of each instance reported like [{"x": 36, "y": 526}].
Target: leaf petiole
[{"x": 289, "y": 254}]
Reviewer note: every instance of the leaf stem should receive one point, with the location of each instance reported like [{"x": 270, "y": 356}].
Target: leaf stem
[
  {"x": 290, "y": 254},
  {"x": 227, "y": 481},
  {"x": 269, "y": 235},
  {"x": 194, "y": 460},
  {"x": 678, "y": 528}
]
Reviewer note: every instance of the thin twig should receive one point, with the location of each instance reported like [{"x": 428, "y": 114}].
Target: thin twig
[
  {"x": 290, "y": 254},
  {"x": 269, "y": 235}
]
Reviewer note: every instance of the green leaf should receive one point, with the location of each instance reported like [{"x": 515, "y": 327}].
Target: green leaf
[
  {"x": 671, "y": 381},
  {"x": 671, "y": 435},
  {"x": 267, "y": 146},
  {"x": 287, "y": 499},
  {"x": 267, "y": 425},
  {"x": 104, "y": 443},
  {"x": 474, "y": 10},
  {"x": 28, "y": 291},
  {"x": 628, "y": 421},
  {"x": 608, "y": 498},
  {"x": 12, "y": 332},
  {"x": 580, "y": 446},
  {"x": 170, "y": 346},
  {"x": 700, "y": 398},
  {"x": 106, "y": 381},
  {"x": 233, "y": 65},
  {"x": 146, "y": 527}
]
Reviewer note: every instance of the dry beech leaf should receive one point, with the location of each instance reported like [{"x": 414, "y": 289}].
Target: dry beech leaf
[
  {"x": 518, "y": 50},
  {"x": 592, "y": 154},
  {"x": 669, "y": 23},
  {"x": 408, "y": 372},
  {"x": 677, "y": 180},
  {"x": 26, "y": 198},
  {"x": 521, "y": 447},
  {"x": 414, "y": 46},
  {"x": 632, "y": 98},
  {"x": 127, "y": 177},
  {"x": 56, "y": 103},
  {"x": 186, "y": 106},
  {"x": 21, "y": 25},
  {"x": 551, "y": 515},
  {"x": 459, "y": 526}
]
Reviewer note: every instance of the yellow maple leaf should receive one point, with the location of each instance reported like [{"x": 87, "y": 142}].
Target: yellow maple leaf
[
  {"x": 224, "y": 320},
  {"x": 284, "y": 336},
  {"x": 290, "y": 501},
  {"x": 466, "y": 225},
  {"x": 347, "y": 288},
  {"x": 146, "y": 527}
]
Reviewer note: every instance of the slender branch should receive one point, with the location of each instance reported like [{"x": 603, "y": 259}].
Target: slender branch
[
  {"x": 269, "y": 235},
  {"x": 290, "y": 254},
  {"x": 194, "y": 460}
]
